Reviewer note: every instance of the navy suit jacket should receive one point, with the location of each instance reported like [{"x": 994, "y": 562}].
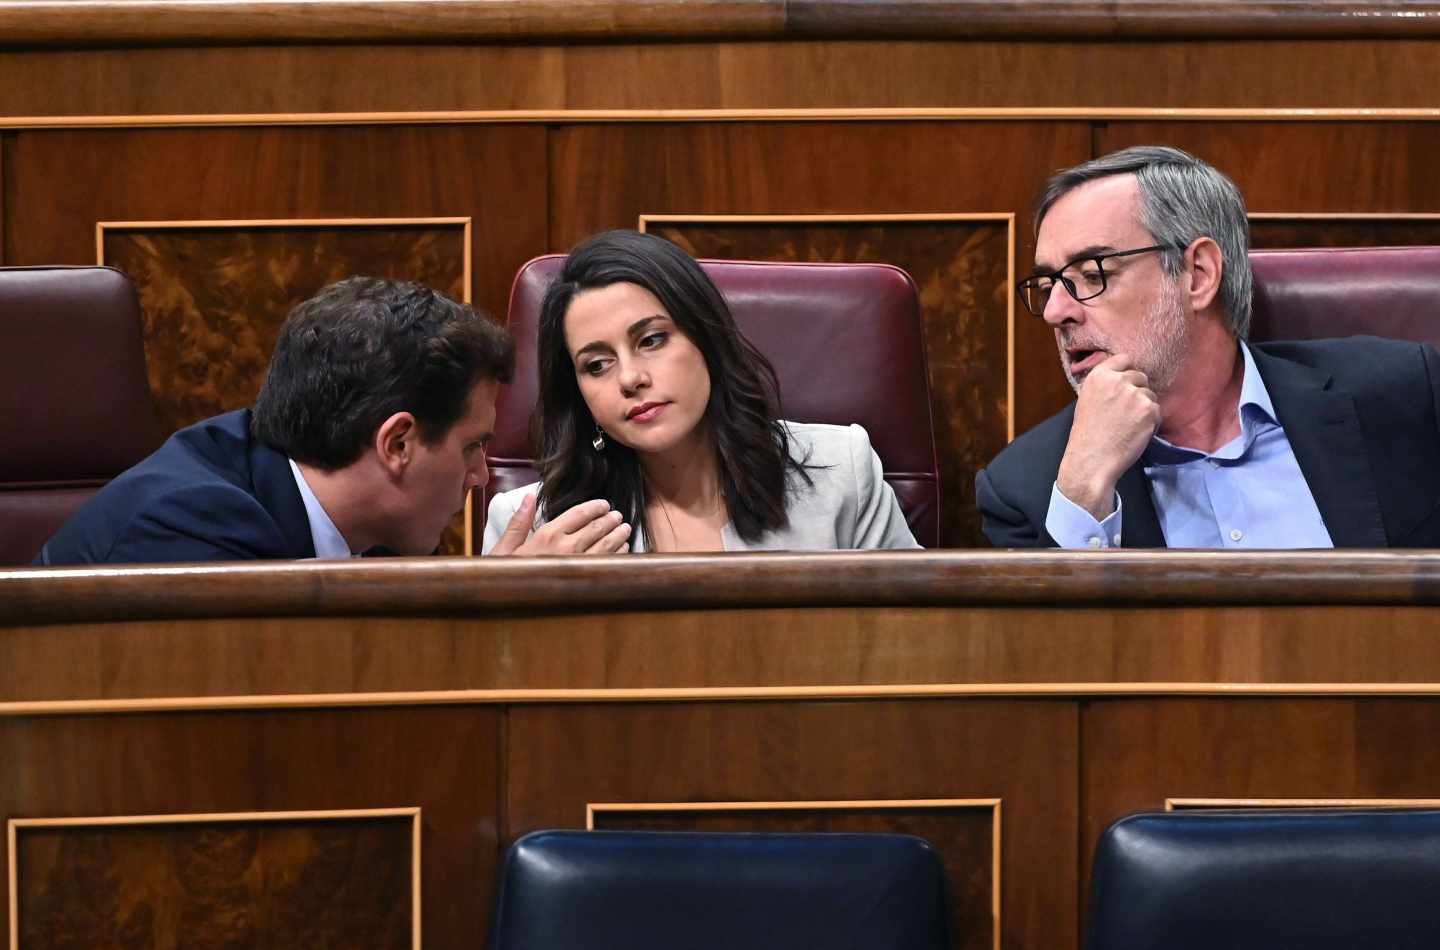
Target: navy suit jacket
[
  {"x": 210, "y": 493},
  {"x": 1362, "y": 415}
]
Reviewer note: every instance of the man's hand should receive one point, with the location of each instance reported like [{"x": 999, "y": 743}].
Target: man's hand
[
  {"x": 588, "y": 528},
  {"x": 1115, "y": 417}
]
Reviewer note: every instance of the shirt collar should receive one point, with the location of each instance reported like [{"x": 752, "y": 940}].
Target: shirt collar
[
  {"x": 329, "y": 542},
  {"x": 1256, "y": 412},
  {"x": 1252, "y": 389}
]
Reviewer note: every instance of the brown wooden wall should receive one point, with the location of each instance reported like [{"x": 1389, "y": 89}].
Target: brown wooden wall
[
  {"x": 453, "y": 162},
  {"x": 256, "y": 722}
]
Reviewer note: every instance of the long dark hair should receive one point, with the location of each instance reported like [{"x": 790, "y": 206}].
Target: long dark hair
[{"x": 752, "y": 445}]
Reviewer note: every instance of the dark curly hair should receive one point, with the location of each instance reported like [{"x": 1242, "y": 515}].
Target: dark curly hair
[{"x": 752, "y": 446}]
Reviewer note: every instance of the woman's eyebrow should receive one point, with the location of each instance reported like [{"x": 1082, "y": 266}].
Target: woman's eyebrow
[
  {"x": 634, "y": 330},
  {"x": 639, "y": 326}
]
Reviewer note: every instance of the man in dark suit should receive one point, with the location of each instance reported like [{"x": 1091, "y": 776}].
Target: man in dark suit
[
  {"x": 1182, "y": 434},
  {"x": 368, "y": 434}
]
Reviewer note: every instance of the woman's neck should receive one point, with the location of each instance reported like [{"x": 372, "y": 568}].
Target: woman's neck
[{"x": 686, "y": 477}]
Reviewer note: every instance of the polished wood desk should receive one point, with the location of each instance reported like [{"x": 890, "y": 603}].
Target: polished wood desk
[{"x": 335, "y": 754}]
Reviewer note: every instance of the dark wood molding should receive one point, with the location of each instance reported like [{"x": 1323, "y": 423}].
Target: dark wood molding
[
  {"x": 419, "y": 586},
  {"x": 102, "y": 23}
]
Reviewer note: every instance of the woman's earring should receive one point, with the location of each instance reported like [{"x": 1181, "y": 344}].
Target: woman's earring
[{"x": 599, "y": 440}]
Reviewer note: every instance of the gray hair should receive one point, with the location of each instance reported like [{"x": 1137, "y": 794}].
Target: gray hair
[{"x": 1181, "y": 198}]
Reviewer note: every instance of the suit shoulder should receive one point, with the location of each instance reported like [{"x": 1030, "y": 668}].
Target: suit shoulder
[
  {"x": 1340, "y": 353},
  {"x": 1365, "y": 365},
  {"x": 821, "y": 444}
]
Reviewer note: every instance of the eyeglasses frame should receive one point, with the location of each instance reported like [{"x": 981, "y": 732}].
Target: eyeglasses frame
[{"x": 1069, "y": 285}]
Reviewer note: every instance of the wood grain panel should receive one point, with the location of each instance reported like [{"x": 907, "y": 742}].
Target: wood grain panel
[
  {"x": 441, "y": 760},
  {"x": 66, "y": 181},
  {"x": 964, "y": 835},
  {"x": 740, "y": 653},
  {"x": 962, "y": 271},
  {"x": 1344, "y": 231},
  {"x": 1320, "y": 167},
  {"x": 213, "y": 296},
  {"x": 1139, "y": 753},
  {"x": 291, "y": 884},
  {"x": 565, "y": 757},
  {"x": 835, "y": 168},
  {"x": 933, "y": 73}
]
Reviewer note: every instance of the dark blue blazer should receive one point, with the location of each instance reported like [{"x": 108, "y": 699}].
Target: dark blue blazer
[
  {"x": 210, "y": 493},
  {"x": 1362, "y": 415}
]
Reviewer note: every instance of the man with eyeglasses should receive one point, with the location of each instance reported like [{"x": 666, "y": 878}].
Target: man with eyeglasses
[{"x": 1182, "y": 434}]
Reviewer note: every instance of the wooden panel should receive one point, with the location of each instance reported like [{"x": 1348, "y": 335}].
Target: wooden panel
[
  {"x": 824, "y": 168},
  {"x": 213, "y": 296},
  {"x": 441, "y": 760},
  {"x": 1139, "y": 753},
  {"x": 66, "y": 181},
  {"x": 855, "y": 74},
  {"x": 718, "y": 653},
  {"x": 291, "y": 884},
  {"x": 1341, "y": 231},
  {"x": 562, "y": 758},
  {"x": 965, "y": 835},
  {"x": 1307, "y": 167},
  {"x": 962, "y": 270}
]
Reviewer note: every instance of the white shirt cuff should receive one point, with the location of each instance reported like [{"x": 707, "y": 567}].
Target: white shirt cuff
[{"x": 1073, "y": 527}]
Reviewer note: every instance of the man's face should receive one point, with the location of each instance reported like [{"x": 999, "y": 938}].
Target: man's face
[
  {"x": 1141, "y": 313},
  {"x": 441, "y": 475}
]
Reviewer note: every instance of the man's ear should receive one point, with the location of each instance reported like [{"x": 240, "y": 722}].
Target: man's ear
[
  {"x": 395, "y": 442},
  {"x": 1206, "y": 265}
]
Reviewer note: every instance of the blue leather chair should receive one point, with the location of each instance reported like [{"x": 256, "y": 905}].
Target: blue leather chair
[
  {"x": 1267, "y": 880},
  {"x": 597, "y": 890}
]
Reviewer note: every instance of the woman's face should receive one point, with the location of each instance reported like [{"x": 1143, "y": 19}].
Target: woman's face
[{"x": 644, "y": 381}]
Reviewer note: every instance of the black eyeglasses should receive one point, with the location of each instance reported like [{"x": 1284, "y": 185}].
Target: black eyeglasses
[{"x": 1084, "y": 279}]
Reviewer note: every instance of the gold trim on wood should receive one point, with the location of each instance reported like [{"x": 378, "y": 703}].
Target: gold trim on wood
[
  {"x": 994, "y": 804},
  {"x": 13, "y": 826},
  {"x": 903, "y": 218},
  {"x": 465, "y": 222},
  {"x": 1173, "y": 804},
  {"x": 459, "y": 697},
  {"x": 551, "y": 116}
]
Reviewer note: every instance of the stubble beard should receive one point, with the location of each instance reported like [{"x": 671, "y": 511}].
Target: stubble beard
[{"x": 1158, "y": 348}]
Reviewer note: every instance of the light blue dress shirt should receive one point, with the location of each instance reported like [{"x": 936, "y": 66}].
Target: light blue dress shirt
[
  {"x": 1249, "y": 493},
  {"x": 329, "y": 542}
]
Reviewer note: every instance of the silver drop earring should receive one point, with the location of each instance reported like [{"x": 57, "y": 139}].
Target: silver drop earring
[{"x": 599, "y": 440}]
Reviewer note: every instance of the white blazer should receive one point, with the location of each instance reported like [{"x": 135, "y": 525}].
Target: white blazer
[{"x": 847, "y": 505}]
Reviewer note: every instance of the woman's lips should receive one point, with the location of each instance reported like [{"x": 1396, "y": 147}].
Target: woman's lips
[{"x": 647, "y": 413}]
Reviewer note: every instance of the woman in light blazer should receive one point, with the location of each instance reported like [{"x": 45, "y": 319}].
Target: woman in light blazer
[{"x": 651, "y": 399}]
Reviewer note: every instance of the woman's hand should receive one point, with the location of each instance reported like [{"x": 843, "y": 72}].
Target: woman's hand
[{"x": 588, "y": 528}]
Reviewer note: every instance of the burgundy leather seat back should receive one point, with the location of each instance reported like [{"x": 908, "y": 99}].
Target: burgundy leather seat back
[
  {"x": 845, "y": 339},
  {"x": 72, "y": 370},
  {"x": 1310, "y": 293}
]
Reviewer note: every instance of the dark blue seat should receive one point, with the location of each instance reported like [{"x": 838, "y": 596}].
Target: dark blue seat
[
  {"x": 567, "y": 890},
  {"x": 1267, "y": 880}
]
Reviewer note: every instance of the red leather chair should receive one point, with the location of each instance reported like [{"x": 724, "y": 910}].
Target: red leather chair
[
  {"x": 1310, "y": 293},
  {"x": 78, "y": 409},
  {"x": 845, "y": 339}
]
